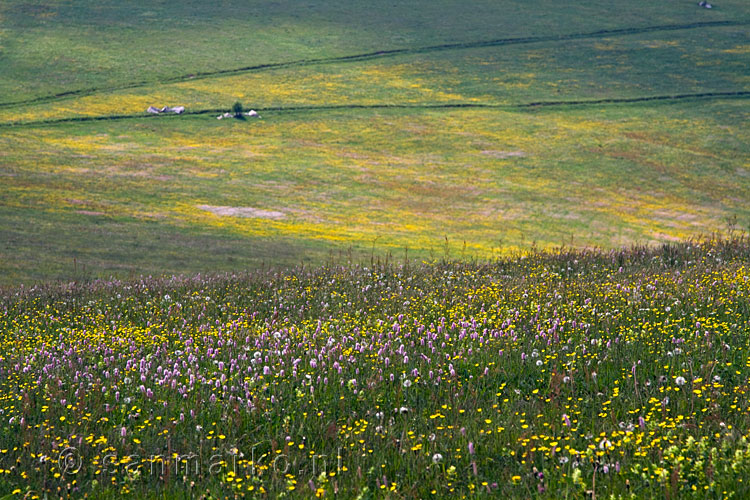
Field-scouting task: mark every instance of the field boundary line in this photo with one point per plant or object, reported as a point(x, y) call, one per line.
point(380, 54)
point(425, 106)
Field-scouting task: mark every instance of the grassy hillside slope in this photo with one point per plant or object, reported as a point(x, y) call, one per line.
point(60, 46)
point(620, 374)
point(384, 126)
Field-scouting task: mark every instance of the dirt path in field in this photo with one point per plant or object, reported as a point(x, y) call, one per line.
point(248, 212)
point(379, 55)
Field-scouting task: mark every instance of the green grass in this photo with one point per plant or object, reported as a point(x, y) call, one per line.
point(620, 374)
point(493, 131)
point(388, 178)
point(122, 196)
point(40, 246)
point(661, 63)
point(60, 46)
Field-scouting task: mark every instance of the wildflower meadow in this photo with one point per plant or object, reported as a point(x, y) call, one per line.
point(370, 249)
point(557, 374)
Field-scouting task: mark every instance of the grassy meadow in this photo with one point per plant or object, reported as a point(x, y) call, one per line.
point(485, 250)
point(62, 46)
point(619, 374)
point(386, 131)
point(461, 183)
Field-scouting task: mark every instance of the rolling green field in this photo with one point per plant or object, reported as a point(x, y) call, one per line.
point(495, 249)
point(390, 130)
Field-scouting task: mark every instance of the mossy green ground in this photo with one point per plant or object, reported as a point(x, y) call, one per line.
point(123, 196)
